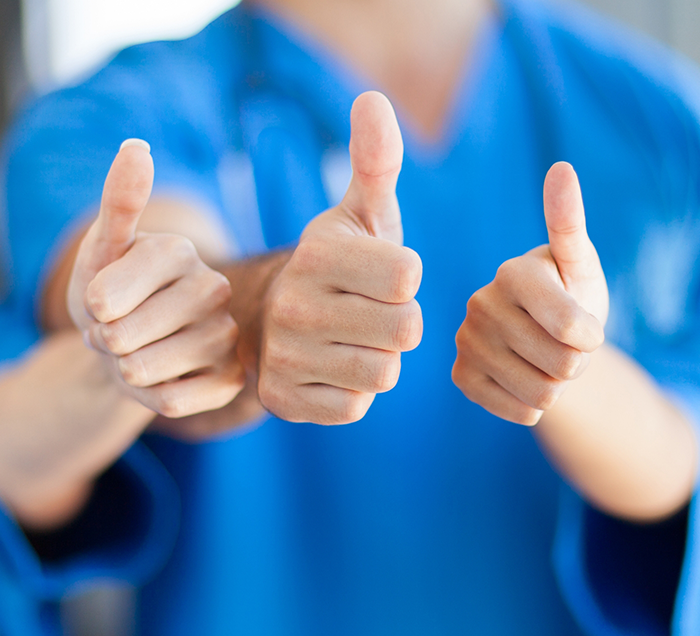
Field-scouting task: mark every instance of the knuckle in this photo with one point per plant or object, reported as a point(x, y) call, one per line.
point(180, 248)
point(409, 327)
point(353, 407)
point(224, 338)
point(230, 331)
point(478, 305)
point(566, 323)
point(546, 396)
point(150, 243)
point(133, 370)
point(527, 417)
point(507, 272)
point(288, 311)
point(172, 406)
point(405, 276)
point(465, 341)
point(473, 351)
point(217, 288)
point(236, 376)
point(98, 303)
point(279, 355)
point(223, 396)
point(387, 374)
point(466, 379)
point(311, 255)
point(115, 337)
point(462, 337)
point(273, 398)
point(265, 394)
point(568, 364)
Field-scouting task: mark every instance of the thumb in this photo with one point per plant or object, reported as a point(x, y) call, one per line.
point(569, 244)
point(124, 197)
point(376, 153)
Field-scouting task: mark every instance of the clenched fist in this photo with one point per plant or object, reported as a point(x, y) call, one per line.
point(341, 312)
point(529, 332)
point(150, 304)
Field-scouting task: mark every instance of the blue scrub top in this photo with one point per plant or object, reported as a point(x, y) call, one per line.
point(429, 516)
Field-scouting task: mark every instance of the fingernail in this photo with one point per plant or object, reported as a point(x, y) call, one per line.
point(135, 142)
point(86, 339)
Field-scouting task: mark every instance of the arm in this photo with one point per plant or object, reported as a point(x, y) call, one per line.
point(66, 413)
point(531, 347)
point(53, 447)
point(321, 328)
point(615, 435)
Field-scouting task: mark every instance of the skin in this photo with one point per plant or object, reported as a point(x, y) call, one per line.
point(335, 317)
point(167, 347)
point(610, 431)
point(342, 310)
point(321, 328)
point(81, 422)
point(531, 348)
point(136, 297)
point(151, 305)
point(416, 52)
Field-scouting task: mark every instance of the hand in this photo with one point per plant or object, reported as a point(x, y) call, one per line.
point(341, 311)
point(531, 330)
point(149, 303)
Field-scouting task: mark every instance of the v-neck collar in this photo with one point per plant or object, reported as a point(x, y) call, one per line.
point(303, 68)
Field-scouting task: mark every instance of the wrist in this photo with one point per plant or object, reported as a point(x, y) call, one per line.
point(251, 281)
point(49, 508)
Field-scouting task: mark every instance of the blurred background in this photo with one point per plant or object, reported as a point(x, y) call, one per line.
point(46, 43)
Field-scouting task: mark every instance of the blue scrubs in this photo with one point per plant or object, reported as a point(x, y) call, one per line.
point(429, 516)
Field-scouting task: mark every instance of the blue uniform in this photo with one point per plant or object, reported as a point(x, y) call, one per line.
point(429, 516)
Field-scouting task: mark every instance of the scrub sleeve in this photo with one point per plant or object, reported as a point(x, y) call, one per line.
point(622, 578)
point(126, 532)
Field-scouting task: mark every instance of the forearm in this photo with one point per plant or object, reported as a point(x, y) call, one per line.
point(250, 281)
point(64, 422)
point(620, 442)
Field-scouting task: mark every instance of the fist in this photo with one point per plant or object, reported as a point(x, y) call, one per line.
point(341, 312)
point(530, 331)
point(158, 314)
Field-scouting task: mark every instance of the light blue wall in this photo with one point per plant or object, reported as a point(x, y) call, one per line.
point(676, 22)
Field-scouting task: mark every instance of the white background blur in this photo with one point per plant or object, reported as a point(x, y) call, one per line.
point(64, 39)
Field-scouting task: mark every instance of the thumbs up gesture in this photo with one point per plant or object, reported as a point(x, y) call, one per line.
point(530, 331)
point(341, 312)
point(150, 305)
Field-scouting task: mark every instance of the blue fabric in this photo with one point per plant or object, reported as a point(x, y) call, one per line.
point(150, 515)
point(145, 518)
point(429, 516)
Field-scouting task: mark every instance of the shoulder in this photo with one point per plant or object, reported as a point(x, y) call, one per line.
point(177, 94)
point(173, 79)
point(209, 58)
point(633, 133)
point(627, 68)
point(629, 106)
